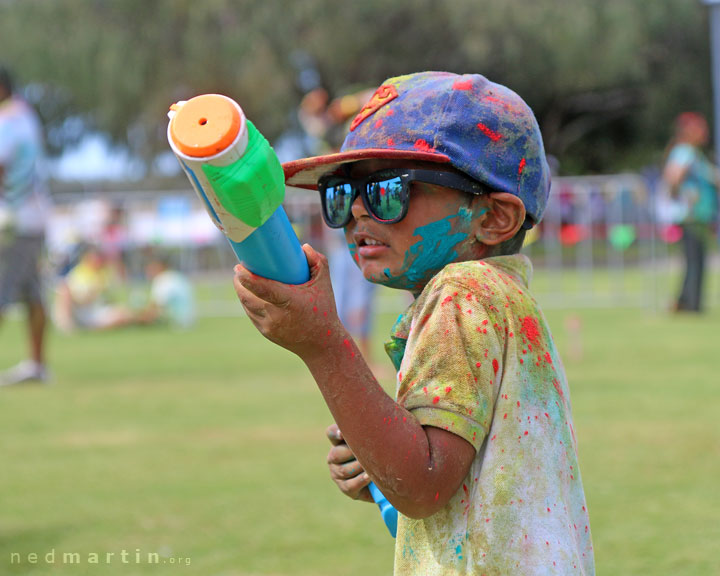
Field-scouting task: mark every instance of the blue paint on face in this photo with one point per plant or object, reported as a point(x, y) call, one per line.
point(431, 254)
point(353, 252)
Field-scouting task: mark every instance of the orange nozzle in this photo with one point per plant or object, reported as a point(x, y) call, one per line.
point(205, 125)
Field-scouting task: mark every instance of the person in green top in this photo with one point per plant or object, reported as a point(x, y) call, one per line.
point(693, 180)
point(435, 186)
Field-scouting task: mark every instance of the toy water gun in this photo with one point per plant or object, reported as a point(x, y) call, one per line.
point(239, 179)
point(237, 175)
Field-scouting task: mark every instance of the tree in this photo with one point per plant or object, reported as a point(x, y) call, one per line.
point(604, 78)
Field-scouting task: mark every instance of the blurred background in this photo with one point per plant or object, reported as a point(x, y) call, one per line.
point(606, 81)
point(169, 438)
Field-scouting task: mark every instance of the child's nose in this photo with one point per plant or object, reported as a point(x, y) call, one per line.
point(358, 208)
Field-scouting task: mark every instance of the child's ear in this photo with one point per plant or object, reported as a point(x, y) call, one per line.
point(502, 216)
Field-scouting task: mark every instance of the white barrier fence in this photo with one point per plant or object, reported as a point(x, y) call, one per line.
point(602, 241)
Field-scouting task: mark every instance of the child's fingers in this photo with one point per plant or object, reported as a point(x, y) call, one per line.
point(365, 495)
point(268, 290)
point(346, 471)
point(314, 258)
point(340, 454)
point(354, 486)
point(334, 435)
point(254, 306)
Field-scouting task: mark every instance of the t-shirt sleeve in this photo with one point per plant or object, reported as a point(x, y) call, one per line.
point(681, 155)
point(453, 361)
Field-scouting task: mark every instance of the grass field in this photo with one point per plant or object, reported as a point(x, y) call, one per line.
point(207, 448)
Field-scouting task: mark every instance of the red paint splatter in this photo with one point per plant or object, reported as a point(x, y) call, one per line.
point(530, 328)
point(548, 358)
point(448, 389)
point(521, 166)
point(462, 85)
point(436, 399)
point(489, 132)
point(437, 496)
point(391, 141)
point(496, 366)
point(314, 309)
point(347, 345)
point(478, 364)
point(423, 146)
point(378, 123)
point(448, 299)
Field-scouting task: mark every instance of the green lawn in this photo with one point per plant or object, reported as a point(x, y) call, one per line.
point(208, 445)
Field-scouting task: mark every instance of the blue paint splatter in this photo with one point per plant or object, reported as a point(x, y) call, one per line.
point(434, 251)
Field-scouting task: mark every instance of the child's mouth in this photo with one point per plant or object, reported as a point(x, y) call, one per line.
point(368, 247)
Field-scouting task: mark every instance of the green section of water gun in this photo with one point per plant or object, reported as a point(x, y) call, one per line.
point(253, 187)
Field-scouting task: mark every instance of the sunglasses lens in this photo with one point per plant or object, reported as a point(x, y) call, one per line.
point(386, 198)
point(338, 197)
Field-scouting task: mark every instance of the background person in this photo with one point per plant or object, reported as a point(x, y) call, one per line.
point(84, 295)
point(172, 299)
point(24, 212)
point(694, 181)
point(354, 295)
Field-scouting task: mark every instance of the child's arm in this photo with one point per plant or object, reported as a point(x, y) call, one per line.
point(418, 469)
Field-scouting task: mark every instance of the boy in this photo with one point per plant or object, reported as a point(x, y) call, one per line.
point(435, 185)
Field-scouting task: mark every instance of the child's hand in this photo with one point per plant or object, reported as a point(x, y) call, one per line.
point(299, 318)
point(345, 470)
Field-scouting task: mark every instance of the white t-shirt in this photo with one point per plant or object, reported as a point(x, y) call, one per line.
point(172, 292)
point(23, 190)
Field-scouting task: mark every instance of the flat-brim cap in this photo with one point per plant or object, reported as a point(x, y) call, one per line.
point(481, 128)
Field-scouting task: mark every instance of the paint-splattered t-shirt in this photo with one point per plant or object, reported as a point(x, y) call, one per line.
point(475, 356)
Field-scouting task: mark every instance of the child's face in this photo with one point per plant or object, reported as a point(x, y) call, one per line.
point(437, 230)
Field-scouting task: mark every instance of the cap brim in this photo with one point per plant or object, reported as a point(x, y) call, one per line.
point(304, 173)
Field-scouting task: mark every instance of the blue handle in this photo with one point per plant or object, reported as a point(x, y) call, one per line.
point(273, 251)
point(389, 514)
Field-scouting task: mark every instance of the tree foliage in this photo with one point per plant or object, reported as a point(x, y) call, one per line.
point(604, 78)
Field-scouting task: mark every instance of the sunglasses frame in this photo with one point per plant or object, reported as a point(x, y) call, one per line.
point(359, 187)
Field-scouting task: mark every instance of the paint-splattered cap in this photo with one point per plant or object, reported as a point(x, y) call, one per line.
point(481, 128)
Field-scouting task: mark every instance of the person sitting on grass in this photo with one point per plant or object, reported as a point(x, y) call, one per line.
point(83, 295)
point(172, 300)
point(435, 185)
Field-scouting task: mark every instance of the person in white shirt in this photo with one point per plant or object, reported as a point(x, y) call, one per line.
point(24, 212)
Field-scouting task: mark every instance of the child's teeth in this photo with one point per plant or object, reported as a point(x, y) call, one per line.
point(370, 242)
